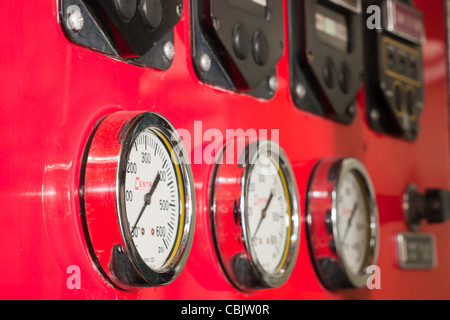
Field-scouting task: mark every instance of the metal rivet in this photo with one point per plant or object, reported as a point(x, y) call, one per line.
point(216, 23)
point(273, 83)
point(180, 10)
point(205, 62)
point(351, 109)
point(168, 50)
point(75, 20)
point(374, 115)
point(300, 90)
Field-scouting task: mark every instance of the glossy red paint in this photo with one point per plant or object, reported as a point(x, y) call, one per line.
point(52, 93)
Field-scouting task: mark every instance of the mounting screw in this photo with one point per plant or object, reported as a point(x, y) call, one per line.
point(216, 23)
point(374, 115)
point(351, 110)
point(75, 20)
point(300, 90)
point(168, 50)
point(205, 62)
point(273, 83)
point(180, 10)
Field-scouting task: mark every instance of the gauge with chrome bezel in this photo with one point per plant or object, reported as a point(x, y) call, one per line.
point(254, 211)
point(342, 222)
point(138, 202)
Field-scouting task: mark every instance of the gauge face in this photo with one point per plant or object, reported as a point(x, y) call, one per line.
point(342, 212)
point(268, 213)
point(137, 200)
point(152, 200)
point(255, 216)
point(353, 222)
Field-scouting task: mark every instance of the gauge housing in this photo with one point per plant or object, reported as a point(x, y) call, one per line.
point(395, 88)
point(322, 215)
point(325, 56)
point(102, 200)
point(228, 197)
point(243, 40)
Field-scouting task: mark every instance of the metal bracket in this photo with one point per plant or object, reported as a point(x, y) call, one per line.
point(95, 26)
point(219, 64)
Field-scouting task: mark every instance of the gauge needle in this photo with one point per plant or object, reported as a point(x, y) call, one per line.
point(350, 220)
point(147, 200)
point(263, 214)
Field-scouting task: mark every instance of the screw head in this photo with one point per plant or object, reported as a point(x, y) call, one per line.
point(75, 19)
point(300, 90)
point(179, 10)
point(168, 50)
point(273, 83)
point(351, 109)
point(374, 115)
point(205, 62)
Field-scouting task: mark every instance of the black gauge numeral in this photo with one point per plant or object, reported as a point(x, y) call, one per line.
point(128, 195)
point(131, 167)
point(160, 231)
point(146, 158)
point(162, 175)
point(164, 205)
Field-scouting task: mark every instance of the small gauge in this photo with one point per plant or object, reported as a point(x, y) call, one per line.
point(342, 219)
point(138, 199)
point(255, 215)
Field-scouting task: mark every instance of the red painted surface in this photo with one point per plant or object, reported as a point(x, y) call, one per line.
point(52, 93)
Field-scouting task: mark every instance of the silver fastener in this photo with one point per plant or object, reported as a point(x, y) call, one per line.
point(374, 115)
point(273, 83)
point(205, 62)
point(75, 19)
point(300, 90)
point(168, 50)
point(179, 10)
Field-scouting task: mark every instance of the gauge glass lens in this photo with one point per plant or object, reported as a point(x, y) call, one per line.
point(268, 213)
point(353, 222)
point(152, 199)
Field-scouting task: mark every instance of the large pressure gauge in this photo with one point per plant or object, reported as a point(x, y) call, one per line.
point(342, 220)
point(255, 215)
point(138, 199)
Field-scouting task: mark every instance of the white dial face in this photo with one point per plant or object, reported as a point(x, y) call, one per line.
point(268, 213)
point(152, 200)
point(353, 222)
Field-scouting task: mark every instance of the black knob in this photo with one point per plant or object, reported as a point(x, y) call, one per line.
point(125, 8)
point(241, 42)
point(151, 13)
point(344, 78)
point(327, 73)
point(437, 206)
point(261, 48)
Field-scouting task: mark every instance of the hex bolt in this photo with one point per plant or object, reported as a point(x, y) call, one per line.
point(75, 20)
point(168, 50)
point(205, 62)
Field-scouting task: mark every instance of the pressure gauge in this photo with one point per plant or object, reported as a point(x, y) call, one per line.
point(137, 199)
point(342, 220)
point(255, 215)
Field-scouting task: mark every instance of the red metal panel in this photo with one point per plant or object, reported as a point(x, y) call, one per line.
point(52, 93)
